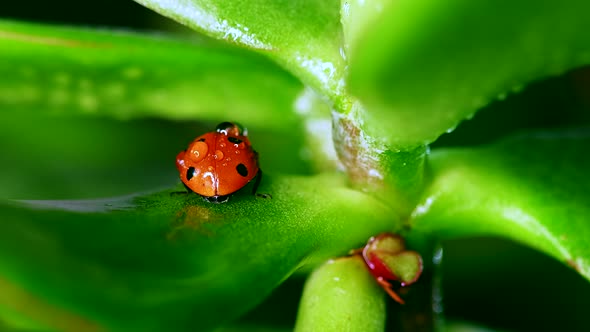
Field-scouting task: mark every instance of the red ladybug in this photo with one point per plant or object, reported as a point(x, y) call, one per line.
point(217, 164)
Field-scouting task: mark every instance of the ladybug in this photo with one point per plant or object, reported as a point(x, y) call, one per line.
point(217, 164)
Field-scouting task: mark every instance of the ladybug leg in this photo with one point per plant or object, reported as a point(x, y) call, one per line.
point(387, 287)
point(257, 183)
point(216, 199)
point(188, 191)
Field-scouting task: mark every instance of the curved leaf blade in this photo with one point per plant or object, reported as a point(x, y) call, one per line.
point(303, 36)
point(169, 261)
point(422, 67)
point(126, 75)
point(76, 157)
point(533, 189)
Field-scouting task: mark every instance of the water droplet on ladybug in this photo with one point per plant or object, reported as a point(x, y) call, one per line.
point(197, 151)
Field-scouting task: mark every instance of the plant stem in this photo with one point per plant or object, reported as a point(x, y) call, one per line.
point(423, 309)
point(342, 295)
point(394, 175)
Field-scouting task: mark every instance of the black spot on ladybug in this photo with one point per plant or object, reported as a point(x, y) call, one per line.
point(201, 140)
point(234, 140)
point(190, 173)
point(242, 170)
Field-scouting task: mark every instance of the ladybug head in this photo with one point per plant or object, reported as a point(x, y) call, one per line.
point(231, 128)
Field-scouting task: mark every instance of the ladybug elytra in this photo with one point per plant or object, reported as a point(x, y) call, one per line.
point(217, 164)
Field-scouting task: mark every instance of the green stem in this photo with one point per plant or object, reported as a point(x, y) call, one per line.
point(423, 309)
point(394, 175)
point(342, 295)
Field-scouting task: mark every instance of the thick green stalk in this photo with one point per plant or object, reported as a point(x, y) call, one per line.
point(393, 174)
point(423, 309)
point(339, 296)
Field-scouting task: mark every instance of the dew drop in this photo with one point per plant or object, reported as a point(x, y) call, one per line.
point(132, 73)
point(59, 97)
point(517, 88)
point(478, 102)
point(114, 90)
point(469, 116)
point(88, 102)
point(85, 84)
point(218, 155)
point(437, 257)
point(62, 78)
point(28, 72)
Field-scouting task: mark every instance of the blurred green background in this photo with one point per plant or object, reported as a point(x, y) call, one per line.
point(495, 282)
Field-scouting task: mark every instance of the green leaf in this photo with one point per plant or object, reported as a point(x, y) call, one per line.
point(532, 188)
point(342, 295)
point(172, 261)
point(13, 320)
point(303, 36)
point(421, 67)
point(73, 157)
point(121, 74)
point(61, 157)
